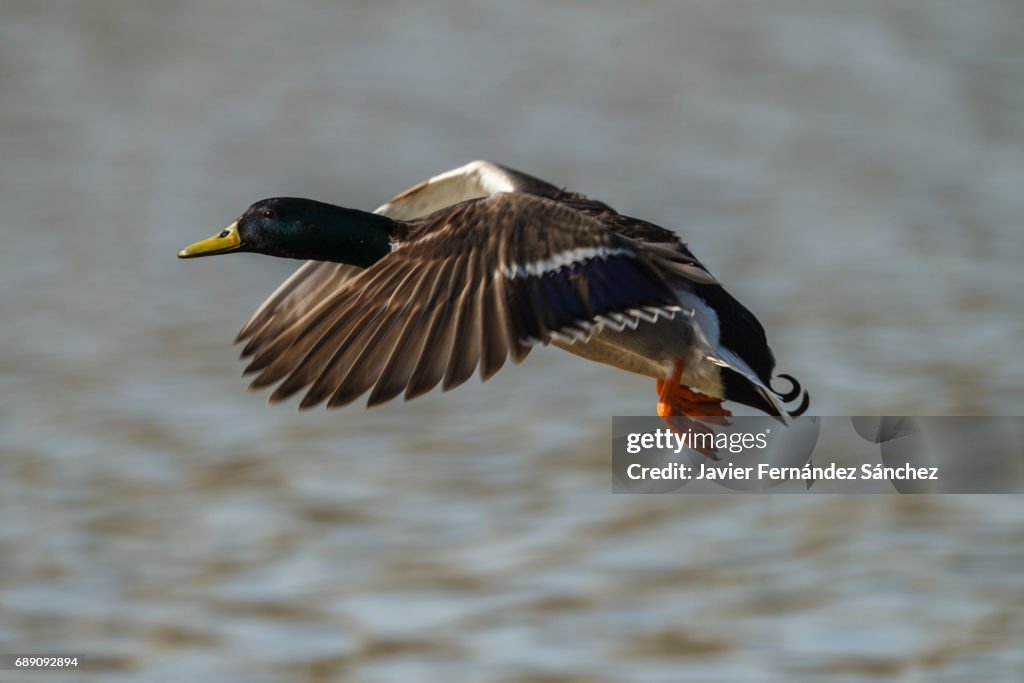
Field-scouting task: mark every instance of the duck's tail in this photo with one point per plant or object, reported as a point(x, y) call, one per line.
point(741, 384)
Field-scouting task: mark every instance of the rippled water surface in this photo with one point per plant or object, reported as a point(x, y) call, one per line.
point(853, 171)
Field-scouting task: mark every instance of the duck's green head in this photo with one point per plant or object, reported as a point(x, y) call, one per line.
point(302, 229)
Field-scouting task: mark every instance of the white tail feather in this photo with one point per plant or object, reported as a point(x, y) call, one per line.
point(727, 359)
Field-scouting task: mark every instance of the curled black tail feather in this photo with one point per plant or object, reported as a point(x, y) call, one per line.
point(795, 392)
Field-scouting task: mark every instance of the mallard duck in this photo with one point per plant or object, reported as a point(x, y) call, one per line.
point(480, 264)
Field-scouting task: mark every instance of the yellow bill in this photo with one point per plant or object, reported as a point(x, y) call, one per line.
point(226, 240)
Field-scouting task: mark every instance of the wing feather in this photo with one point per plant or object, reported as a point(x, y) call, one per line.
point(301, 292)
point(493, 332)
point(430, 367)
point(397, 372)
point(340, 346)
point(402, 310)
point(292, 346)
point(464, 353)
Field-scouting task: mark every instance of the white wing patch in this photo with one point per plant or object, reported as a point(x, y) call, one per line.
point(565, 258)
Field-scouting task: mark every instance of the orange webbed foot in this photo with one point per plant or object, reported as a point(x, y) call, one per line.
point(677, 405)
point(677, 400)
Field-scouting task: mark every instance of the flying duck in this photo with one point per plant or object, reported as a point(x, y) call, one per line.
point(480, 264)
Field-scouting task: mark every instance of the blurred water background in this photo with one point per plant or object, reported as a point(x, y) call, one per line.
point(853, 171)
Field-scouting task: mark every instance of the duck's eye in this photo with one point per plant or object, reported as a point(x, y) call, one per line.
point(269, 213)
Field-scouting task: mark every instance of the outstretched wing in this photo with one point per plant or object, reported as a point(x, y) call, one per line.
point(480, 281)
